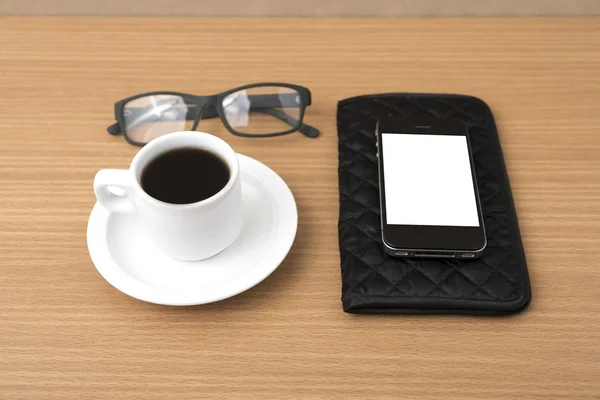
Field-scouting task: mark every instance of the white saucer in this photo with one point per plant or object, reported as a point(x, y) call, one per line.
point(128, 261)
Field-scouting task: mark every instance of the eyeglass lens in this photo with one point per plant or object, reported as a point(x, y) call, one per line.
point(263, 110)
point(149, 117)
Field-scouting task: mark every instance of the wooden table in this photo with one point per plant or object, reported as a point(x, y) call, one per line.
point(65, 333)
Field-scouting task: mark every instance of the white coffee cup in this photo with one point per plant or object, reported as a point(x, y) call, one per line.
point(188, 232)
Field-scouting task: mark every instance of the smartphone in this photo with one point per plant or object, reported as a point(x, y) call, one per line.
point(428, 190)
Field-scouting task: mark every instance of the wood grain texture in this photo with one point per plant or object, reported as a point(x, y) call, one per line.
point(67, 334)
point(304, 8)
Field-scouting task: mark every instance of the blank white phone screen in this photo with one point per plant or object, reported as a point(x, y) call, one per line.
point(428, 180)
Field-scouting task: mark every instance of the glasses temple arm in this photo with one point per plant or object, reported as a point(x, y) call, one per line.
point(306, 129)
point(114, 129)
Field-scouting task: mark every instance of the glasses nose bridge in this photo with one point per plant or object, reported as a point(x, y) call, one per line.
point(206, 101)
point(207, 106)
point(206, 109)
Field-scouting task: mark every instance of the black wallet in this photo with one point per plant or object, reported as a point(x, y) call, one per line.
point(374, 282)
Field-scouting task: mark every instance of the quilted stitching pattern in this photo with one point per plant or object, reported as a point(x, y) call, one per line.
point(498, 282)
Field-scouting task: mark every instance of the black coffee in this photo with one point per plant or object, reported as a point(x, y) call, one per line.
point(184, 176)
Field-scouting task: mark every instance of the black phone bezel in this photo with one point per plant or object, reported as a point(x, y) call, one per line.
point(421, 237)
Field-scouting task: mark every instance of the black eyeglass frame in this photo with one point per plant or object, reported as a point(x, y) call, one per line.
point(212, 106)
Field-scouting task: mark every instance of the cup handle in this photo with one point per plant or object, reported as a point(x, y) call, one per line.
point(114, 189)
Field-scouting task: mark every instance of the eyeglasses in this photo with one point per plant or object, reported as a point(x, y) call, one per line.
point(257, 110)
